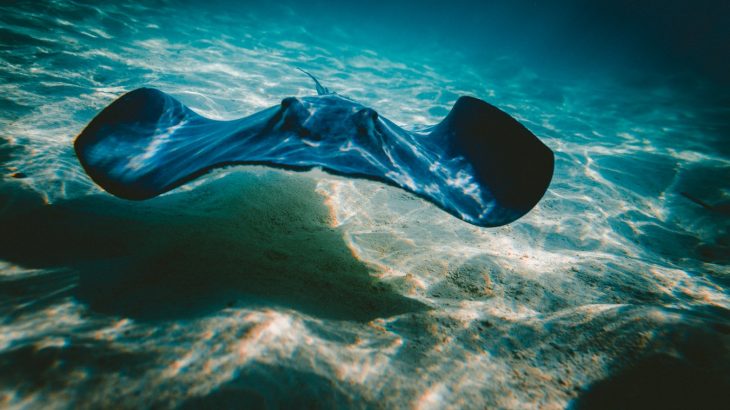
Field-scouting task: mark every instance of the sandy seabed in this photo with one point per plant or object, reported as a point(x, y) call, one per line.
point(256, 287)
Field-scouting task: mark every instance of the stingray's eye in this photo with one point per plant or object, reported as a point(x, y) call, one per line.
point(365, 121)
point(294, 106)
point(288, 101)
point(367, 113)
point(293, 110)
point(365, 118)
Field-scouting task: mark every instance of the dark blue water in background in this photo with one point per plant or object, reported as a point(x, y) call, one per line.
point(265, 288)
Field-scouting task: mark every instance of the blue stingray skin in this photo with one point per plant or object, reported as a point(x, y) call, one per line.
point(478, 164)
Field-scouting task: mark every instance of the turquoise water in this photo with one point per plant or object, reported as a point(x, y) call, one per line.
point(255, 287)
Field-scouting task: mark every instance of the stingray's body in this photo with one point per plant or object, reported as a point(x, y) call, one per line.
point(478, 164)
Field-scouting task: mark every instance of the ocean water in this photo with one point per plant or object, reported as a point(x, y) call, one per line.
point(261, 288)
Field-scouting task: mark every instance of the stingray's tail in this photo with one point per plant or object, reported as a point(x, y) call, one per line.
point(321, 90)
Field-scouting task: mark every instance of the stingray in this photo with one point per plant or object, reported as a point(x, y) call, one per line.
point(478, 164)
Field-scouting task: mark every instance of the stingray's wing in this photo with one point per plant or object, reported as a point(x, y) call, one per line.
point(146, 143)
point(508, 159)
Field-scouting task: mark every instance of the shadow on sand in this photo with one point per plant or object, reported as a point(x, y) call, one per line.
point(254, 238)
point(688, 370)
point(262, 386)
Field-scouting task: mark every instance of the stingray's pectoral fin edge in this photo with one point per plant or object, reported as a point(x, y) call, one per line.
point(509, 159)
point(123, 148)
